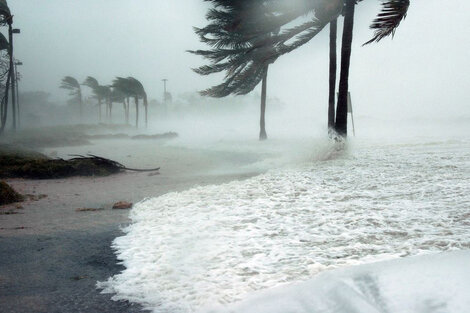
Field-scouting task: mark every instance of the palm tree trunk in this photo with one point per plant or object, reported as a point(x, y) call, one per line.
point(262, 122)
point(146, 110)
point(127, 111)
point(99, 108)
point(333, 68)
point(341, 125)
point(136, 112)
point(111, 111)
point(12, 73)
point(81, 104)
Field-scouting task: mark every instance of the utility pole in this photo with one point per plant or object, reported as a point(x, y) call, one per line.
point(164, 94)
point(18, 63)
point(164, 89)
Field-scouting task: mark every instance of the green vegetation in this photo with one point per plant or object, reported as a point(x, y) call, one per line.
point(8, 195)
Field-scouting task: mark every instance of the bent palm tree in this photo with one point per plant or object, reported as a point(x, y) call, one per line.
point(93, 84)
point(70, 83)
point(242, 47)
point(133, 88)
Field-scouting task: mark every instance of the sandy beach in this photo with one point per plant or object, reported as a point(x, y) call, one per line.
point(52, 255)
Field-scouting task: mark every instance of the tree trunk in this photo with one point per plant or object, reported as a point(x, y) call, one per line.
point(127, 111)
point(333, 68)
point(111, 111)
point(146, 110)
point(136, 112)
point(12, 73)
point(262, 123)
point(99, 108)
point(342, 108)
point(80, 103)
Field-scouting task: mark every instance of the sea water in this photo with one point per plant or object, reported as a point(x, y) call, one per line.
point(365, 202)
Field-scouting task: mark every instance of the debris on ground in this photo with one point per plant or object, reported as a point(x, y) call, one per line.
point(122, 205)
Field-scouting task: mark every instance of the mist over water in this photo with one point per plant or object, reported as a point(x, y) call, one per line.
point(298, 204)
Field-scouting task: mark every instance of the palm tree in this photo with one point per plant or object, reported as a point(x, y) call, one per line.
point(246, 40)
point(332, 75)
point(93, 84)
point(262, 123)
point(121, 85)
point(133, 88)
point(247, 36)
point(6, 19)
point(390, 17)
point(119, 97)
point(70, 83)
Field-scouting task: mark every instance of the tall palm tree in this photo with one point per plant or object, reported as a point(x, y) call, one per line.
point(93, 84)
point(119, 97)
point(242, 48)
point(70, 83)
point(262, 123)
point(133, 88)
point(332, 75)
point(139, 92)
point(247, 36)
point(121, 85)
point(390, 17)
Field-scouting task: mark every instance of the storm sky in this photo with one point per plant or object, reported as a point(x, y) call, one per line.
point(424, 70)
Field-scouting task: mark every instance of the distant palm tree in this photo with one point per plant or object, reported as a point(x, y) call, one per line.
point(118, 96)
point(93, 84)
point(133, 88)
point(122, 86)
point(70, 83)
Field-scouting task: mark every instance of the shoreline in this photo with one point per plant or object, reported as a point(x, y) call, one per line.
point(52, 255)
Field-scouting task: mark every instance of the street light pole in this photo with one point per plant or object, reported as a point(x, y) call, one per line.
point(164, 95)
point(12, 70)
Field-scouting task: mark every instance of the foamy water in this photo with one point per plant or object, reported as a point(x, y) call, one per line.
point(217, 244)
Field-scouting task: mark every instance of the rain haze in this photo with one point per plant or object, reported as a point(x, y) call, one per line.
point(123, 188)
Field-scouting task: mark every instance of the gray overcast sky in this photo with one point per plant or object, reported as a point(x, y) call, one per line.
point(425, 69)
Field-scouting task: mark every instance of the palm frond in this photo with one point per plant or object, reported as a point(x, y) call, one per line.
point(390, 17)
point(4, 9)
point(4, 45)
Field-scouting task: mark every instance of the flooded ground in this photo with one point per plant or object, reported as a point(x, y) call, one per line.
point(373, 201)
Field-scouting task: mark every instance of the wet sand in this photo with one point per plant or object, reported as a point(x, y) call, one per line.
point(51, 255)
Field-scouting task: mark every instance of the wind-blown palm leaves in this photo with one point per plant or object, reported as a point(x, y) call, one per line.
point(98, 91)
point(133, 88)
point(393, 12)
point(71, 84)
point(246, 36)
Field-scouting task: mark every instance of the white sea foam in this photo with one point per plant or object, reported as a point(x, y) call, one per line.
point(217, 244)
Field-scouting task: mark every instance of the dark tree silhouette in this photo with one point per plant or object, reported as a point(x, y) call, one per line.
point(246, 36)
point(133, 88)
point(71, 84)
